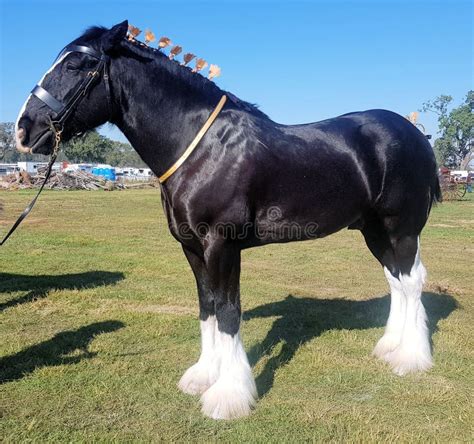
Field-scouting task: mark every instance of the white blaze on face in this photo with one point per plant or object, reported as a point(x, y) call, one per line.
point(19, 145)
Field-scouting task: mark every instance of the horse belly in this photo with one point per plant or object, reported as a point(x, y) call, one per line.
point(307, 209)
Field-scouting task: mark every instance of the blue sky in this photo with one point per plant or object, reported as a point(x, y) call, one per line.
point(301, 61)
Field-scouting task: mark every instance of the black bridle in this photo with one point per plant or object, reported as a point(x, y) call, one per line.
point(63, 111)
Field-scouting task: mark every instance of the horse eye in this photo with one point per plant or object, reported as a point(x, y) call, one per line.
point(71, 67)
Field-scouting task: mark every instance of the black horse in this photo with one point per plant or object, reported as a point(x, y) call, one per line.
point(249, 182)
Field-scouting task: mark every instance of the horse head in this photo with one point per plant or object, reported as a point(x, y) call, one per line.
point(76, 84)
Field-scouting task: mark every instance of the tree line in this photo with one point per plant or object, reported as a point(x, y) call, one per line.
point(454, 146)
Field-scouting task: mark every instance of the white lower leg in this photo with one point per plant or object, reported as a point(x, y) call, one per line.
point(200, 376)
point(414, 351)
point(234, 393)
point(396, 319)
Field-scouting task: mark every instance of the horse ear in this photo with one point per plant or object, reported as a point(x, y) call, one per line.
point(115, 35)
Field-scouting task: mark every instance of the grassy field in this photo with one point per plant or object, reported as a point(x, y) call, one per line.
point(99, 321)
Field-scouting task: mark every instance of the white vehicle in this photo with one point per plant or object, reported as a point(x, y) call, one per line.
point(8, 168)
point(130, 173)
point(33, 167)
point(78, 167)
point(459, 175)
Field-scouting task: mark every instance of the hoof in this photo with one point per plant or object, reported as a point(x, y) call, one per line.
point(404, 360)
point(229, 399)
point(196, 380)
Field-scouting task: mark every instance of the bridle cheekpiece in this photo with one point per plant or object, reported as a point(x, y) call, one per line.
point(63, 110)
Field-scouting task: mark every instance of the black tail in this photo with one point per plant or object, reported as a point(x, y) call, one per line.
point(436, 195)
point(435, 189)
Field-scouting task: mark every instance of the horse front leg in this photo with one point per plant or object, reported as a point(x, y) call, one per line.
point(200, 376)
point(234, 393)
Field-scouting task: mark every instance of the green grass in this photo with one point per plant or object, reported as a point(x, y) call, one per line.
point(99, 321)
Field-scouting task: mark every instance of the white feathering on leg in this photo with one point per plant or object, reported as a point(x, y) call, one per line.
point(234, 393)
point(414, 351)
point(396, 319)
point(200, 376)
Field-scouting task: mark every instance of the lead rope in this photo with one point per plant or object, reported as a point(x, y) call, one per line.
point(57, 140)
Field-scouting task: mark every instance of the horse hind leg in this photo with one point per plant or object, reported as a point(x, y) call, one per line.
point(405, 343)
point(414, 350)
point(378, 241)
point(396, 318)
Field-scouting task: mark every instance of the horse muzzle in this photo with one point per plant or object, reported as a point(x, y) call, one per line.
point(40, 146)
point(19, 138)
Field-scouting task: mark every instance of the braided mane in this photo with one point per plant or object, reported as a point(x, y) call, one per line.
point(175, 67)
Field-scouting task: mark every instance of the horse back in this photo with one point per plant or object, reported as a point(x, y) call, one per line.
point(339, 171)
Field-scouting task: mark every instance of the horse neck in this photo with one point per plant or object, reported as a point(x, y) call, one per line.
point(159, 112)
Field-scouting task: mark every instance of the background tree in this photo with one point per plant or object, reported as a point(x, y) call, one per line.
point(88, 148)
point(454, 147)
point(123, 155)
point(7, 140)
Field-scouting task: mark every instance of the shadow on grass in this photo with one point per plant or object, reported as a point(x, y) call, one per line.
point(39, 286)
point(55, 350)
point(302, 319)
